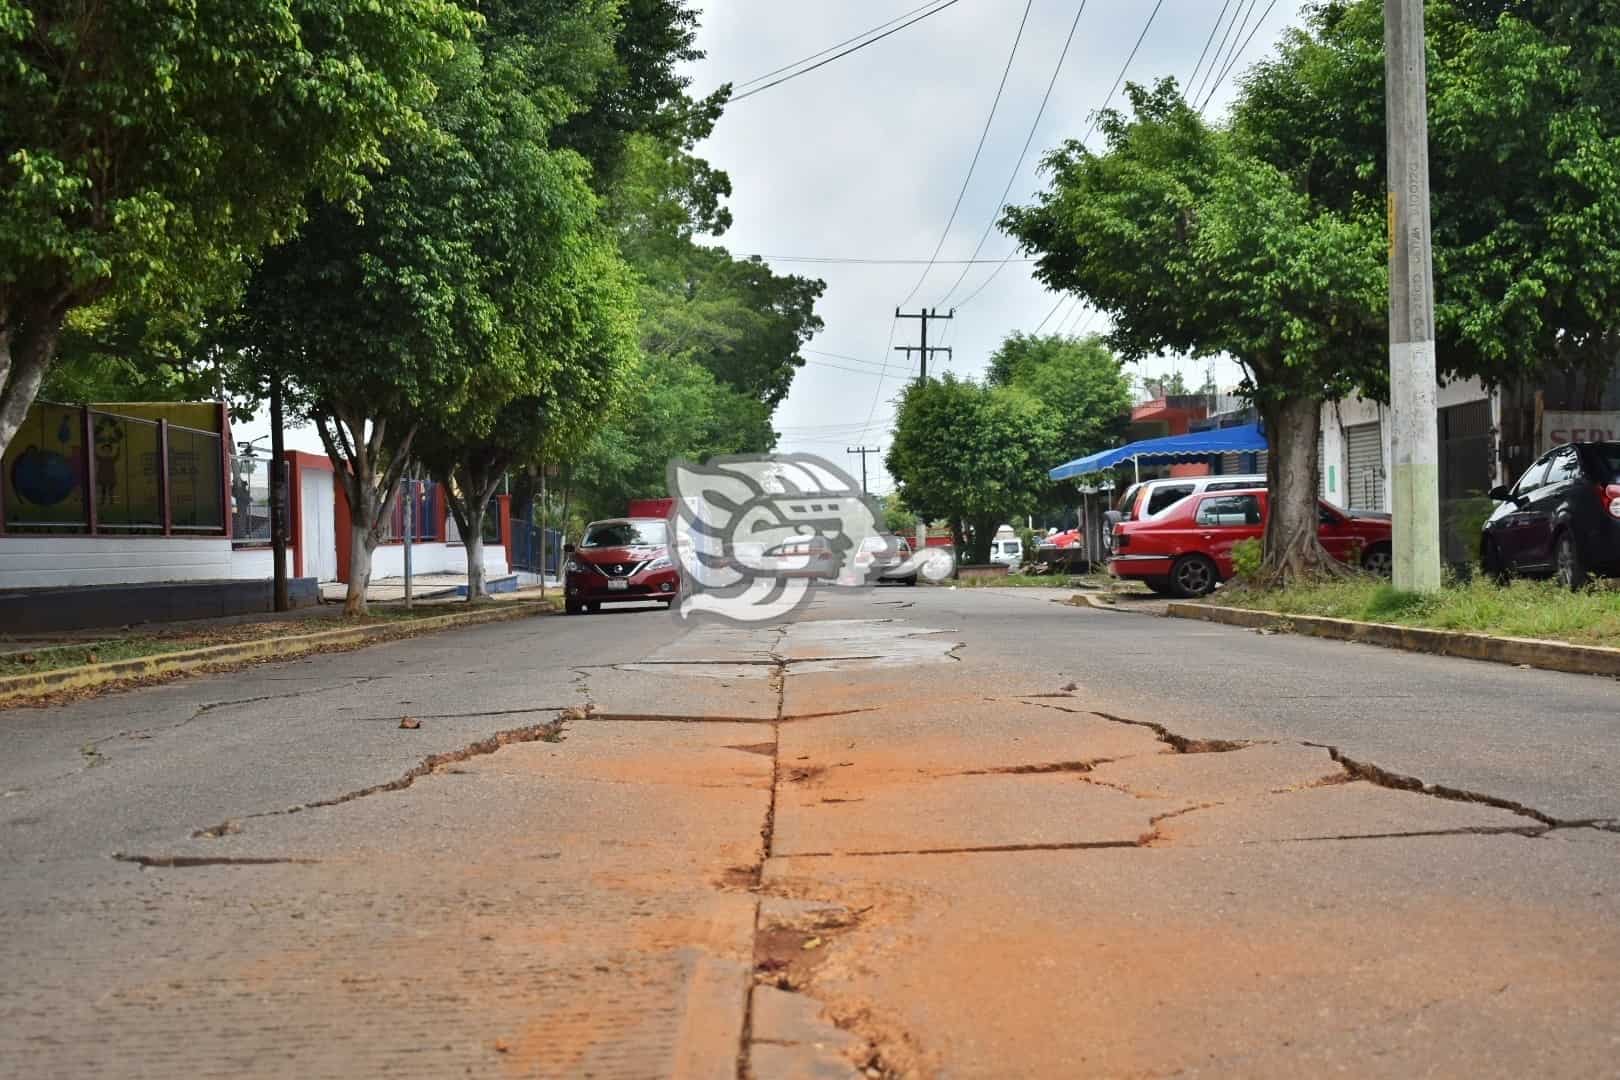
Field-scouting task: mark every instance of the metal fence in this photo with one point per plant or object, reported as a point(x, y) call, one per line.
point(526, 548)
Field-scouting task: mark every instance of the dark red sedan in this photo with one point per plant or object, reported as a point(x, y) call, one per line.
point(1187, 550)
point(624, 560)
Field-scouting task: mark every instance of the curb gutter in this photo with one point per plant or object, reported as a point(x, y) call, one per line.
point(15, 689)
point(1525, 652)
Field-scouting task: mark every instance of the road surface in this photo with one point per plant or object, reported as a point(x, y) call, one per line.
point(916, 832)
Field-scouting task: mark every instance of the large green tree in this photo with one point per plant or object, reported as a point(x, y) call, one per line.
point(147, 150)
point(467, 275)
point(1078, 385)
point(971, 455)
point(1524, 107)
point(1193, 246)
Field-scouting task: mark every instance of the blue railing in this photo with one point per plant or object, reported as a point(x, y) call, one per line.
point(526, 548)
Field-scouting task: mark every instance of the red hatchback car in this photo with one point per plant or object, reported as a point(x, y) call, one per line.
point(1187, 550)
point(620, 561)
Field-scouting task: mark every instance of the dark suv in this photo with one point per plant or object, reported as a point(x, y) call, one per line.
point(1562, 519)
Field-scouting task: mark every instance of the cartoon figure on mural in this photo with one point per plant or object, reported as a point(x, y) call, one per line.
point(109, 448)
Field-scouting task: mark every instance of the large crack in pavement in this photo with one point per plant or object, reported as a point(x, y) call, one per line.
point(548, 731)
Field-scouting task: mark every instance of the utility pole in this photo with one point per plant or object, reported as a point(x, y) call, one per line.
point(1414, 432)
point(925, 316)
point(863, 451)
point(278, 499)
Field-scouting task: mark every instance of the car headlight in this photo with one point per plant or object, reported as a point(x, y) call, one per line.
point(660, 563)
point(575, 567)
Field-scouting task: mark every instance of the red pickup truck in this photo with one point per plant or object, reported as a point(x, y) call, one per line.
point(1187, 550)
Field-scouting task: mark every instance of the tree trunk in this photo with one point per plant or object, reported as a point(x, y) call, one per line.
point(361, 544)
point(27, 346)
point(1293, 550)
point(474, 539)
point(984, 531)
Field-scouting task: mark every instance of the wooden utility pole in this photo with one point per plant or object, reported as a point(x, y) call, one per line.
point(925, 316)
point(863, 451)
point(1414, 434)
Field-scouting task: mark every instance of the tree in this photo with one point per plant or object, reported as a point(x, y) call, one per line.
point(971, 455)
point(143, 156)
point(581, 346)
point(1195, 247)
point(1077, 384)
point(452, 288)
point(1524, 107)
point(1172, 385)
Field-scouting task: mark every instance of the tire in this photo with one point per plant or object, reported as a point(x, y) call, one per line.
point(593, 608)
point(1160, 586)
point(1492, 565)
point(1379, 560)
point(912, 580)
point(1193, 576)
point(1570, 569)
point(572, 607)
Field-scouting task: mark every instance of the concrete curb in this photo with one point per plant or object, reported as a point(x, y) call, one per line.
point(1081, 599)
point(1525, 652)
point(15, 689)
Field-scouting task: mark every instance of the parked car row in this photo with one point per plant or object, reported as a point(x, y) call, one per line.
point(1184, 547)
point(1561, 519)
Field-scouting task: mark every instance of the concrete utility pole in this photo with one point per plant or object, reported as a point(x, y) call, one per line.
point(863, 451)
point(925, 316)
point(1414, 430)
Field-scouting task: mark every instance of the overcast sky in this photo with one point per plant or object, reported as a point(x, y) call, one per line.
point(864, 159)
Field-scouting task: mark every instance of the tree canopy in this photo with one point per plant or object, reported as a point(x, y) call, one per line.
point(146, 157)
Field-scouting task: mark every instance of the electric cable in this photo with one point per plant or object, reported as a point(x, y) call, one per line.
point(1207, 43)
point(1022, 154)
point(839, 56)
point(1154, 14)
point(1236, 56)
point(972, 165)
point(831, 48)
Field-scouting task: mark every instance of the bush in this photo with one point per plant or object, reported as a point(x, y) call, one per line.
point(1247, 556)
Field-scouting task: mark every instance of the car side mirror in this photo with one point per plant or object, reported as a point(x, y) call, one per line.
point(1501, 494)
point(568, 549)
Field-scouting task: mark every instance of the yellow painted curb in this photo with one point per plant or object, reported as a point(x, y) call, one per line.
point(1526, 652)
point(18, 688)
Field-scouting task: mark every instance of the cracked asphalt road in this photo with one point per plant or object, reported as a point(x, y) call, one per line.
point(912, 833)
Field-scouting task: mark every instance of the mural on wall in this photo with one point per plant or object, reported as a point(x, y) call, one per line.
point(46, 465)
point(44, 468)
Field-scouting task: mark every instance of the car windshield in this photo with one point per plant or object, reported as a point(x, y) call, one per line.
point(1605, 458)
point(625, 534)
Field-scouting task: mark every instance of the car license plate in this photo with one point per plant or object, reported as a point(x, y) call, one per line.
point(618, 585)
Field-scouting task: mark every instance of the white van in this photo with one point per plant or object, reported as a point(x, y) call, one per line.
point(1007, 549)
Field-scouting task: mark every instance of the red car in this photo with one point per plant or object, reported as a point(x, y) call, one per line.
point(619, 561)
point(1187, 550)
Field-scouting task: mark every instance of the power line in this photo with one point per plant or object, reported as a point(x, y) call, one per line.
point(839, 56)
point(984, 134)
point(874, 262)
point(1022, 154)
point(1154, 14)
point(1061, 301)
point(839, 45)
point(1215, 62)
point(1237, 55)
point(1207, 43)
point(877, 391)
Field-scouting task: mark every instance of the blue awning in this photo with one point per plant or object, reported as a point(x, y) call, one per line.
point(1196, 446)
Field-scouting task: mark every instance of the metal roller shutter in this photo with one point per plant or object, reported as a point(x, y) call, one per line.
point(1365, 473)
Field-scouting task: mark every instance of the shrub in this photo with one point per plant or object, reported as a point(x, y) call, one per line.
point(1246, 558)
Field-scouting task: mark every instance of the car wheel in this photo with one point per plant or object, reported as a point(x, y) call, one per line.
point(1160, 586)
point(1571, 569)
point(1378, 560)
point(1193, 576)
point(573, 607)
point(1493, 564)
point(593, 608)
point(912, 580)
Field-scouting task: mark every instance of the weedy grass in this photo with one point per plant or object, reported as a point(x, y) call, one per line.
point(1530, 609)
